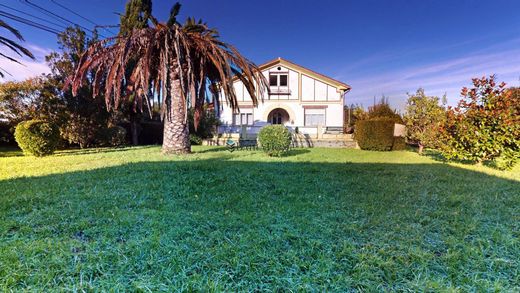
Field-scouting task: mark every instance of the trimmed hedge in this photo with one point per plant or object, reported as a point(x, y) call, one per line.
point(399, 144)
point(37, 137)
point(375, 134)
point(275, 140)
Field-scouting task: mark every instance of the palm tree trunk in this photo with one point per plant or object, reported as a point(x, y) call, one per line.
point(176, 138)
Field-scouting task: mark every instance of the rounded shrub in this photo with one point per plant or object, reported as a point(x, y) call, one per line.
point(275, 140)
point(37, 137)
point(112, 136)
point(375, 134)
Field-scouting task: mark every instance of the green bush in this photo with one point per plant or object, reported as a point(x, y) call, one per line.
point(37, 137)
point(275, 140)
point(375, 134)
point(399, 144)
point(112, 136)
point(195, 140)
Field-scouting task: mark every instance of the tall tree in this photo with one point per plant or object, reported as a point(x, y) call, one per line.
point(84, 111)
point(12, 46)
point(136, 16)
point(137, 13)
point(182, 63)
point(424, 116)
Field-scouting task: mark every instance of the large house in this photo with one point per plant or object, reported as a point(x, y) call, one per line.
point(298, 98)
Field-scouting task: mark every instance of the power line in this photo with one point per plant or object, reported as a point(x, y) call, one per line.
point(34, 16)
point(52, 14)
point(1, 69)
point(29, 22)
point(82, 17)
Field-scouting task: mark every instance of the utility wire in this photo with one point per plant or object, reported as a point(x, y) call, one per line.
point(29, 22)
point(52, 14)
point(34, 16)
point(81, 16)
point(1, 69)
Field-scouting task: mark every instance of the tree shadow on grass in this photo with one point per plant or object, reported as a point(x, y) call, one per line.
point(212, 150)
point(100, 150)
point(8, 151)
point(239, 226)
point(296, 152)
point(438, 156)
point(434, 155)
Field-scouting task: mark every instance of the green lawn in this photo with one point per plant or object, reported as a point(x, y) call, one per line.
point(317, 220)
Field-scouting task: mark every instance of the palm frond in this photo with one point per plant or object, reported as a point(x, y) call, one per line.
point(12, 45)
point(164, 54)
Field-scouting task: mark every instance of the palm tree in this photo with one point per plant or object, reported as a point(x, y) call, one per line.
point(183, 64)
point(12, 45)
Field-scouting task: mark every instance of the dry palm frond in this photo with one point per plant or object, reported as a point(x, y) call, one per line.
point(12, 45)
point(202, 63)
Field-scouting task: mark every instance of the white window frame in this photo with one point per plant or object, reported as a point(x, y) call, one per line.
point(239, 118)
point(314, 113)
point(279, 90)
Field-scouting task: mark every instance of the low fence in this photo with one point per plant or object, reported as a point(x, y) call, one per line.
point(251, 131)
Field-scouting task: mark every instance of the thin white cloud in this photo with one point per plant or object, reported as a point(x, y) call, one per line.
point(447, 76)
point(28, 68)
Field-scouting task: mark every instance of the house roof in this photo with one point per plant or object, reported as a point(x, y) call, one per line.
point(309, 72)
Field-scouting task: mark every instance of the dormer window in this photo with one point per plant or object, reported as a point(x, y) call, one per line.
point(279, 84)
point(278, 79)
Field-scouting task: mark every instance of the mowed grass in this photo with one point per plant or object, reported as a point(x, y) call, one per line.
point(317, 220)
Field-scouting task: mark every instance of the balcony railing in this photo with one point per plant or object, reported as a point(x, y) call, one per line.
point(280, 91)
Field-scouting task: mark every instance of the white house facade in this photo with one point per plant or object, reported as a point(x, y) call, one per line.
point(298, 98)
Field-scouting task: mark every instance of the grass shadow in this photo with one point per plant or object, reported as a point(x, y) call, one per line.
point(86, 151)
point(437, 156)
point(10, 151)
point(296, 152)
point(434, 155)
point(212, 150)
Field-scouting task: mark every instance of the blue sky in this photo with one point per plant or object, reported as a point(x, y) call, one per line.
point(378, 47)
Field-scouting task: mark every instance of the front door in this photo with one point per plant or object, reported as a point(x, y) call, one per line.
point(276, 118)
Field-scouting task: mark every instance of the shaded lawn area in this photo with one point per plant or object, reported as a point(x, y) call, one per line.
point(319, 219)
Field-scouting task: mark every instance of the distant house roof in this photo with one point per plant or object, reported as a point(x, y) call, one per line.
point(309, 72)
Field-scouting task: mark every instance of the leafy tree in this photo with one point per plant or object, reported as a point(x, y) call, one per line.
point(136, 16)
point(34, 98)
point(182, 63)
point(485, 125)
point(424, 116)
point(207, 123)
point(84, 111)
point(12, 46)
point(352, 114)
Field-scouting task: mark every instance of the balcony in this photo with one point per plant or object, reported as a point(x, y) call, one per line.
point(279, 91)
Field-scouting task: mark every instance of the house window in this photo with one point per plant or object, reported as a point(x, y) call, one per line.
point(273, 80)
point(278, 80)
point(283, 79)
point(243, 119)
point(314, 117)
